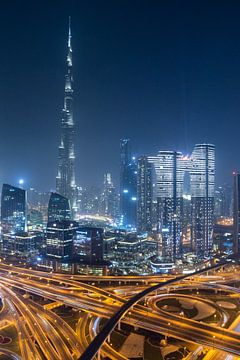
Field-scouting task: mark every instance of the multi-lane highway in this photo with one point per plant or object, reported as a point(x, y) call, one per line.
point(42, 333)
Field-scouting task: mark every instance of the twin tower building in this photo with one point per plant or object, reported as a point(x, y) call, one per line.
point(173, 195)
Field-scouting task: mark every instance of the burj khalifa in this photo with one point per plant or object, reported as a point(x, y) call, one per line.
point(65, 179)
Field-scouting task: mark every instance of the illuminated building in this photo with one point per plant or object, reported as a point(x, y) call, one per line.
point(128, 186)
point(58, 208)
point(169, 173)
point(20, 245)
point(65, 180)
point(144, 194)
point(132, 253)
point(13, 209)
point(223, 197)
point(223, 237)
point(109, 198)
point(88, 244)
point(185, 195)
point(236, 212)
point(202, 176)
point(59, 239)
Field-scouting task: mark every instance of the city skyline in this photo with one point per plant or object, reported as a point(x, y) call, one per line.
point(120, 180)
point(185, 104)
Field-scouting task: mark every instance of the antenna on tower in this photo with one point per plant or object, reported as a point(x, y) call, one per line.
point(69, 32)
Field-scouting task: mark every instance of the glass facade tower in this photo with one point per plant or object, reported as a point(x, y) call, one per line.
point(169, 195)
point(58, 208)
point(144, 194)
point(65, 180)
point(202, 179)
point(13, 210)
point(190, 179)
point(128, 186)
point(236, 212)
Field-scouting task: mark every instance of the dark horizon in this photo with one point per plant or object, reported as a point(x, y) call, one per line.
point(164, 75)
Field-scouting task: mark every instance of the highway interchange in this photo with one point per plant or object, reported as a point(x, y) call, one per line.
point(30, 299)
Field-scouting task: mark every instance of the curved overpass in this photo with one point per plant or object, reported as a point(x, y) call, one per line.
point(98, 341)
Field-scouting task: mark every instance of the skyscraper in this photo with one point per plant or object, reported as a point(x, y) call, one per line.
point(169, 197)
point(144, 194)
point(13, 210)
point(58, 208)
point(236, 212)
point(128, 185)
point(109, 198)
point(202, 179)
point(65, 180)
point(88, 244)
point(59, 239)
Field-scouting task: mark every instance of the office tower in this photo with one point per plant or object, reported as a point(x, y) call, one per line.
point(236, 212)
point(144, 194)
point(58, 208)
point(202, 176)
point(128, 186)
point(170, 171)
point(79, 199)
point(223, 198)
point(88, 244)
point(59, 239)
point(109, 198)
point(65, 180)
point(20, 244)
point(13, 210)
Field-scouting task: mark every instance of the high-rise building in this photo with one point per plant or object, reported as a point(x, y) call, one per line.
point(58, 208)
point(236, 212)
point(128, 186)
point(20, 244)
point(202, 178)
point(13, 210)
point(88, 244)
point(223, 199)
point(169, 197)
point(109, 198)
point(65, 180)
point(185, 195)
point(144, 194)
point(59, 239)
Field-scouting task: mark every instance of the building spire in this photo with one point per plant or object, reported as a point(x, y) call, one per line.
point(69, 33)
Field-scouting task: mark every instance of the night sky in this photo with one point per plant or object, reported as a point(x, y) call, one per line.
point(166, 74)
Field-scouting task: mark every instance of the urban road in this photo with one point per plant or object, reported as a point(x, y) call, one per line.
point(44, 334)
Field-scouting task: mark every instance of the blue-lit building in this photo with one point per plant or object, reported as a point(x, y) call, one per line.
point(144, 194)
point(65, 180)
point(13, 210)
point(236, 212)
point(202, 177)
point(59, 239)
point(58, 208)
point(128, 186)
point(88, 244)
